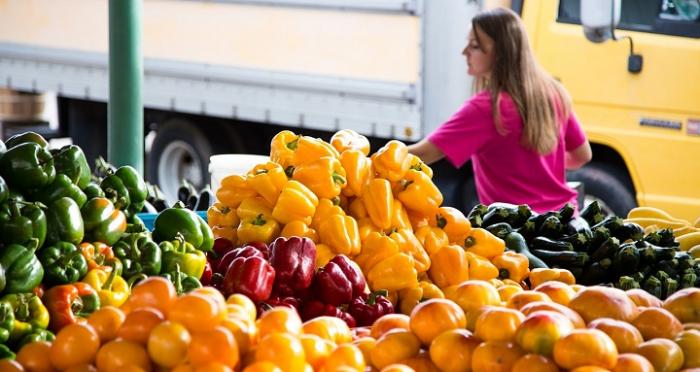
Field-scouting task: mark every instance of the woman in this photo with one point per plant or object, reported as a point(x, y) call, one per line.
point(521, 149)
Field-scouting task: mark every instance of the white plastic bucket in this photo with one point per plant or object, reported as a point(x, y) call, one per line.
point(224, 165)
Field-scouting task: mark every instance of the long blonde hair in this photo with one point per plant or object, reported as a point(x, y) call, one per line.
point(541, 101)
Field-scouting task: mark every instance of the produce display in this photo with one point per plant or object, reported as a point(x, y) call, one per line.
point(329, 258)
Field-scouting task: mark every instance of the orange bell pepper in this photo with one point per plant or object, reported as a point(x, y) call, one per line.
point(220, 214)
point(481, 242)
point(449, 266)
point(417, 164)
point(455, 224)
point(408, 244)
point(419, 193)
point(295, 203)
point(227, 232)
point(379, 202)
point(511, 265)
point(267, 179)
point(282, 148)
point(481, 268)
point(417, 219)
point(411, 297)
point(233, 190)
point(432, 238)
point(391, 161)
point(324, 176)
point(538, 276)
point(349, 140)
point(358, 168)
point(325, 209)
point(366, 227)
point(300, 229)
point(376, 247)
point(393, 273)
point(309, 149)
point(340, 232)
point(399, 217)
point(357, 209)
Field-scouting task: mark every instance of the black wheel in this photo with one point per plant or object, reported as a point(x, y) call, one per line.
point(606, 184)
point(180, 151)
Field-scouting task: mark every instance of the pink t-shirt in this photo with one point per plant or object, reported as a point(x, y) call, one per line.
point(504, 170)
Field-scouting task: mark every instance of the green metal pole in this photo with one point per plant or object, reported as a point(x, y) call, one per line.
point(125, 125)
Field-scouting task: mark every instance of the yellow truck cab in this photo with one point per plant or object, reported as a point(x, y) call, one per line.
point(644, 126)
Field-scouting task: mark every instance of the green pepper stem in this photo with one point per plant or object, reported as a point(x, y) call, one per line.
point(110, 279)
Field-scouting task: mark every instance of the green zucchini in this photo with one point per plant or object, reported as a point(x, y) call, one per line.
point(592, 213)
point(652, 285)
point(527, 230)
point(606, 250)
point(476, 215)
point(566, 213)
point(578, 225)
point(600, 235)
point(578, 240)
point(551, 228)
point(500, 229)
point(626, 283)
point(597, 273)
point(629, 231)
point(516, 243)
point(565, 259)
point(685, 260)
point(688, 279)
point(541, 242)
point(626, 259)
point(652, 254)
point(612, 223)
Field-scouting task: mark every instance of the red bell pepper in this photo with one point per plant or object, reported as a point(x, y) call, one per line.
point(366, 309)
point(262, 247)
point(251, 276)
point(276, 300)
point(314, 308)
point(294, 260)
point(70, 303)
point(221, 247)
point(247, 251)
point(353, 273)
point(332, 286)
point(205, 279)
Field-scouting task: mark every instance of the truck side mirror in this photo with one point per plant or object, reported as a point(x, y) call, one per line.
point(599, 19)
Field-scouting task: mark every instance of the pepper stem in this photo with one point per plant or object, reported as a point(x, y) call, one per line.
point(110, 279)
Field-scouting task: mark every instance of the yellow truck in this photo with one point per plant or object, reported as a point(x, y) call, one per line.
point(224, 76)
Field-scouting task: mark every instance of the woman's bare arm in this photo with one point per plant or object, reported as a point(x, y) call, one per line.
point(426, 151)
point(579, 156)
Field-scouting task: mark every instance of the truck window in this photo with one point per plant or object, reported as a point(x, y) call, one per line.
point(670, 17)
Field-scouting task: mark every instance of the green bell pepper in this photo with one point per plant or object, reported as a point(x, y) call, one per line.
point(135, 225)
point(135, 185)
point(179, 253)
point(29, 313)
point(115, 190)
point(6, 353)
point(22, 221)
point(4, 190)
point(60, 186)
point(183, 283)
point(26, 137)
point(93, 190)
point(36, 335)
point(7, 321)
point(27, 166)
point(180, 220)
point(23, 271)
point(138, 254)
point(103, 222)
point(70, 160)
point(63, 263)
point(65, 223)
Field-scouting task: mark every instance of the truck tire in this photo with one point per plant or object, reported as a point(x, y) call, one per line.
point(180, 151)
point(603, 182)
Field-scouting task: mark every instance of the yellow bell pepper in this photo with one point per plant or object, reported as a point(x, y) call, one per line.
point(449, 266)
point(251, 207)
point(391, 161)
point(295, 203)
point(411, 297)
point(325, 209)
point(538, 276)
point(358, 168)
point(357, 209)
point(399, 217)
point(481, 242)
point(349, 140)
point(324, 176)
point(366, 227)
point(417, 220)
point(417, 164)
point(324, 254)
point(226, 232)
point(310, 149)
point(379, 202)
point(282, 148)
point(221, 215)
point(453, 221)
point(408, 244)
point(432, 238)
point(233, 190)
point(376, 248)
point(299, 228)
point(110, 287)
point(393, 273)
point(257, 229)
point(267, 179)
point(341, 233)
point(481, 268)
point(419, 193)
point(511, 265)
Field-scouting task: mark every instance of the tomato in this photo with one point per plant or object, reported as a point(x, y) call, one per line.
point(197, 311)
point(347, 355)
point(663, 354)
point(263, 366)
point(573, 316)
point(641, 297)
point(585, 347)
point(535, 363)
point(432, 317)
point(82, 368)
point(624, 335)
point(9, 365)
point(498, 324)
point(213, 367)
point(420, 363)
point(244, 332)
point(329, 328)
point(656, 322)
point(283, 350)
point(154, 291)
point(394, 347)
point(316, 349)
point(397, 368)
point(168, 343)
point(214, 295)
point(689, 341)
point(496, 356)
point(540, 330)
point(139, 323)
point(279, 319)
point(35, 357)
point(471, 296)
point(245, 302)
point(213, 345)
point(520, 299)
point(559, 292)
point(452, 350)
point(118, 354)
point(507, 291)
point(365, 344)
point(106, 321)
point(603, 302)
point(75, 344)
point(389, 322)
point(684, 304)
point(632, 363)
